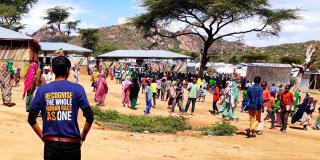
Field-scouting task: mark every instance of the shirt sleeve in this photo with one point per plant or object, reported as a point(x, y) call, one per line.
point(83, 102)
point(261, 99)
point(36, 102)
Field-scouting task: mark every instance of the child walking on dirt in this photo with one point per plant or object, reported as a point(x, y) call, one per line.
point(148, 99)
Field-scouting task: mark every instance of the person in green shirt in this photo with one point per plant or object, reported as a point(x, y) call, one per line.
point(296, 101)
point(244, 100)
point(212, 83)
point(192, 96)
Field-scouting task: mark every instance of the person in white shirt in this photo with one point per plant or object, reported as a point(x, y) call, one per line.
point(47, 75)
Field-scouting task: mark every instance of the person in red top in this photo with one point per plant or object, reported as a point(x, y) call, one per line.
point(144, 83)
point(287, 99)
point(216, 97)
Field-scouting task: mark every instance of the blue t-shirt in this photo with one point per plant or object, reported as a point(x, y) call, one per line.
point(59, 103)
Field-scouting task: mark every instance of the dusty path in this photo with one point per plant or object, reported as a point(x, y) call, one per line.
point(17, 140)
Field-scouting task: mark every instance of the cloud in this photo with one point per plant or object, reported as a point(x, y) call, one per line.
point(122, 20)
point(34, 19)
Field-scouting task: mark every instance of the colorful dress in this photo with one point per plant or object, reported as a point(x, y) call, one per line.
point(228, 105)
point(102, 90)
point(134, 92)
point(6, 85)
point(126, 91)
point(31, 81)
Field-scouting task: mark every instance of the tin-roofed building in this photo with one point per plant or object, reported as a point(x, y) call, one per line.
point(270, 72)
point(78, 55)
point(17, 47)
point(156, 60)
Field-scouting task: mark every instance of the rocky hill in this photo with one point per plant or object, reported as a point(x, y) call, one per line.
point(127, 36)
point(46, 34)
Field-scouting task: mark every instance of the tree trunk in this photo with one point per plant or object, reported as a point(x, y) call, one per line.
point(204, 60)
point(59, 29)
point(297, 81)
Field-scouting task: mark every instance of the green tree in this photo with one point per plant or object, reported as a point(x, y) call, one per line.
point(90, 38)
point(292, 59)
point(72, 25)
point(57, 16)
point(12, 11)
point(233, 60)
point(66, 38)
point(208, 19)
point(255, 57)
point(107, 48)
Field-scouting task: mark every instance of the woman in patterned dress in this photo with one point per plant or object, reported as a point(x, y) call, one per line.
point(6, 85)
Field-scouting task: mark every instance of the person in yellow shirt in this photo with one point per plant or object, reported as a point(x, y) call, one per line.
point(154, 89)
point(94, 78)
point(199, 82)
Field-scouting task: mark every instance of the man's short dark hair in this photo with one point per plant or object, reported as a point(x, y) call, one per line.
point(257, 79)
point(61, 66)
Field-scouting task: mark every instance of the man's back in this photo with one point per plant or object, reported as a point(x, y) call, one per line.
point(59, 103)
point(254, 96)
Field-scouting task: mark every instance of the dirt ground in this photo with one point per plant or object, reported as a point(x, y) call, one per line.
point(18, 141)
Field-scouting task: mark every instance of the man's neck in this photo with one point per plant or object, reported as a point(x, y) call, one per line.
point(61, 78)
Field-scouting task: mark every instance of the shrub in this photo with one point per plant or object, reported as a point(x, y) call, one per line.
point(135, 123)
point(106, 116)
point(233, 60)
point(255, 57)
point(291, 59)
point(220, 129)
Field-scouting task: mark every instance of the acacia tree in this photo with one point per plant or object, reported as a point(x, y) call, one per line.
point(72, 25)
point(211, 20)
point(11, 12)
point(57, 16)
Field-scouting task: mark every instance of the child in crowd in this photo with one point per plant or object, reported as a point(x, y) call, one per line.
point(148, 99)
point(172, 93)
point(17, 76)
point(178, 99)
point(201, 93)
point(154, 90)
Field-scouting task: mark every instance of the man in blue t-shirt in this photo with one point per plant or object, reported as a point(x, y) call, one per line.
point(59, 103)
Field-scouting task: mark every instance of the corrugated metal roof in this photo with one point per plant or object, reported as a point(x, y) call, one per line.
point(12, 35)
point(270, 65)
point(150, 54)
point(53, 46)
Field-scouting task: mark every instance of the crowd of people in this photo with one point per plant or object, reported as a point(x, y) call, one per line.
point(261, 101)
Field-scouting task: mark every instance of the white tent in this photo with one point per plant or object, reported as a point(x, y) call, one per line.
point(227, 70)
point(242, 72)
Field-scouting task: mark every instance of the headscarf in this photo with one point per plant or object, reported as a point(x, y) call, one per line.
point(229, 88)
point(126, 83)
point(10, 67)
point(30, 77)
point(228, 85)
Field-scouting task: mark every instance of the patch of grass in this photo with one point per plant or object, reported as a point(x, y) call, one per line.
point(220, 129)
point(135, 123)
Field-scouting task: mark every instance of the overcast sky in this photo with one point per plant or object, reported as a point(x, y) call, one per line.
point(100, 13)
